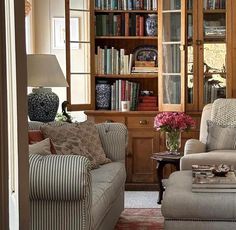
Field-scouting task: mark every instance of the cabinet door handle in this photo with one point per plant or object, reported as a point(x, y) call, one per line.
point(143, 122)
point(199, 42)
point(129, 154)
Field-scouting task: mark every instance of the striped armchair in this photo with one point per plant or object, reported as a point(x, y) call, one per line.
point(65, 194)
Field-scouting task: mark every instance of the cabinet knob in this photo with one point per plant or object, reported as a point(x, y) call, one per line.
point(143, 122)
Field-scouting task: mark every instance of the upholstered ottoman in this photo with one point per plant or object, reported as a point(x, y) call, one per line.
point(185, 210)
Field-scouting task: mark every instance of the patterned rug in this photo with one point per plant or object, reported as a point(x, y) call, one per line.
point(140, 219)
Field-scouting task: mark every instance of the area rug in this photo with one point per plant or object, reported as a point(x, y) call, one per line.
point(140, 219)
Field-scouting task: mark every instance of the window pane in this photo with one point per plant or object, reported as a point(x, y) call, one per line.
point(210, 5)
point(171, 58)
point(80, 58)
point(190, 27)
point(171, 4)
point(80, 89)
point(171, 89)
point(79, 4)
point(79, 28)
point(171, 27)
point(214, 72)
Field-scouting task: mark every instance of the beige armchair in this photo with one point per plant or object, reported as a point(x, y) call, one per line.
point(195, 151)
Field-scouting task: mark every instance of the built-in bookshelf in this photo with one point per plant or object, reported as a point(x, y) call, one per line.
point(120, 30)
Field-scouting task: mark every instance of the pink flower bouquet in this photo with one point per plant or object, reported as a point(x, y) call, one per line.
point(173, 121)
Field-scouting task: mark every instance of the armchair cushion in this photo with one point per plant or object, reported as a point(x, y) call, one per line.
point(214, 157)
point(220, 137)
point(194, 146)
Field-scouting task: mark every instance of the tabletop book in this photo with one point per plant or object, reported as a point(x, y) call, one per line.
point(204, 180)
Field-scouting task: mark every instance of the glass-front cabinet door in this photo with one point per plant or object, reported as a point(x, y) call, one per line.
point(191, 56)
point(208, 69)
point(171, 45)
point(80, 93)
point(213, 39)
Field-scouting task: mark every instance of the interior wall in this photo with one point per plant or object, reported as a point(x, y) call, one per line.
point(4, 192)
point(44, 12)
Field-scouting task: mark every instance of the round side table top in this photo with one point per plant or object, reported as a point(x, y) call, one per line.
point(166, 156)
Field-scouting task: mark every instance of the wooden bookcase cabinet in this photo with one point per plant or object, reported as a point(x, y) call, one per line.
point(143, 139)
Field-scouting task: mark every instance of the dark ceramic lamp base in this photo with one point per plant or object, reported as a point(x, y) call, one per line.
point(42, 105)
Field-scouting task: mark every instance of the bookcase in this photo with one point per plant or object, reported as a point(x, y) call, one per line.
point(180, 52)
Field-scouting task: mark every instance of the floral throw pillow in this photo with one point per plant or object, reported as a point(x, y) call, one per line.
point(66, 142)
point(88, 134)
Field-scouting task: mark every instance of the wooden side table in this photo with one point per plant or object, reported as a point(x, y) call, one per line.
point(164, 158)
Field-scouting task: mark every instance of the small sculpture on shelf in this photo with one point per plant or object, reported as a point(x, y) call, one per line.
point(64, 116)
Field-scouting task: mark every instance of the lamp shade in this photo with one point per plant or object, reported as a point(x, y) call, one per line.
point(44, 71)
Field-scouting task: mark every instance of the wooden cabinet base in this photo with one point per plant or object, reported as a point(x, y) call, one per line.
point(141, 187)
point(143, 141)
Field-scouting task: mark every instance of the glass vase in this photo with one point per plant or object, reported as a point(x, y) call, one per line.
point(173, 141)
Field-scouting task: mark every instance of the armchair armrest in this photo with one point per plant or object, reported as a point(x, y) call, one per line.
point(194, 146)
point(59, 177)
point(114, 138)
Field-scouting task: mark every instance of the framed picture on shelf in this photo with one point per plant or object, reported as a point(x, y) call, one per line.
point(59, 33)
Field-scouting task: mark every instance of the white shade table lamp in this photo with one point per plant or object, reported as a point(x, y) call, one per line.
point(43, 71)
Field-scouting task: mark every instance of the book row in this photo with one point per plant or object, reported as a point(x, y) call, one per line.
point(123, 90)
point(123, 93)
point(122, 25)
point(214, 4)
point(112, 61)
point(126, 4)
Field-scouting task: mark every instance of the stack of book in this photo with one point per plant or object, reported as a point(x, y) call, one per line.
point(123, 90)
point(112, 61)
point(214, 4)
point(144, 67)
point(205, 181)
point(126, 4)
point(147, 103)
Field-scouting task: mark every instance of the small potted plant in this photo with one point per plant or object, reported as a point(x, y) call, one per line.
point(173, 123)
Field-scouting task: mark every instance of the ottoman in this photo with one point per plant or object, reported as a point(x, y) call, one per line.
point(185, 210)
